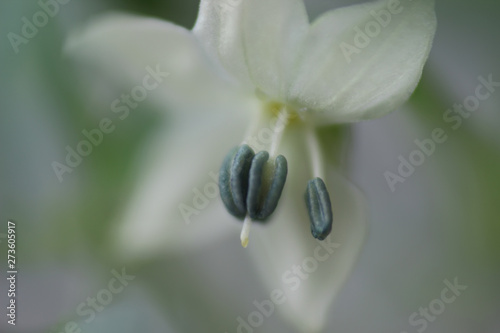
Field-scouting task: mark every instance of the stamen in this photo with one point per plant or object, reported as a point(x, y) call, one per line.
point(239, 176)
point(319, 207)
point(317, 197)
point(278, 130)
point(255, 183)
point(245, 232)
point(249, 184)
point(262, 203)
point(315, 152)
point(225, 185)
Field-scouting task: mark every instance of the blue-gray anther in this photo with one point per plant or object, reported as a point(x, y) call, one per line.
point(225, 185)
point(319, 207)
point(261, 202)
point(239, 176)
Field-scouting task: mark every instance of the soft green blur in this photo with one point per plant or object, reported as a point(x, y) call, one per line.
point(64, 228)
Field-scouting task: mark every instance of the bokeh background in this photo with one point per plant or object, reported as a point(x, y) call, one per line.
point(442, 223)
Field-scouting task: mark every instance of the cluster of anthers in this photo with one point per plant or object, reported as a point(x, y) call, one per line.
point(251, 185)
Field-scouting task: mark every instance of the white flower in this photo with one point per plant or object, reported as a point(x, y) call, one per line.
point(244, 64)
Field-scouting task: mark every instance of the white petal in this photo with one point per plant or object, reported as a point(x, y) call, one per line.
point(286, 241)
point(379, 76)
point(182, 162)
point(256, 40)
point(122, 47)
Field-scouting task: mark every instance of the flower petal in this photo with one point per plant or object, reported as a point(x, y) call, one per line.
point(256, 41)
point(123, 47)
point(176, 205)
point(364, 61)
point(286, 243)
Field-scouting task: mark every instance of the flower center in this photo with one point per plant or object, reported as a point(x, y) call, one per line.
point(267, 128)
point(252, 176)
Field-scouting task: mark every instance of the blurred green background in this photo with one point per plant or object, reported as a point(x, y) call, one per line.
point(442, 223)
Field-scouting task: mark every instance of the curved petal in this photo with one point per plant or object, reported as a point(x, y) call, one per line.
point(287, 256)
point(176, 205)
point(364, 61)
point(126, 49)
point(254, 40)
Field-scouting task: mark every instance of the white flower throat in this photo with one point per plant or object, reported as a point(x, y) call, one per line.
point(252, 176)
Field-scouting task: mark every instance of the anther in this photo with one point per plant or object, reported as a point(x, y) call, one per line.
point(233, 180)
point(248, 188)
point(319, 207)
point(225, 185)
point(239, 176)
point(265, 192)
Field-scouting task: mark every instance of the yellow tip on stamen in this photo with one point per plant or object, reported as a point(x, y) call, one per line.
point(245, 232)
